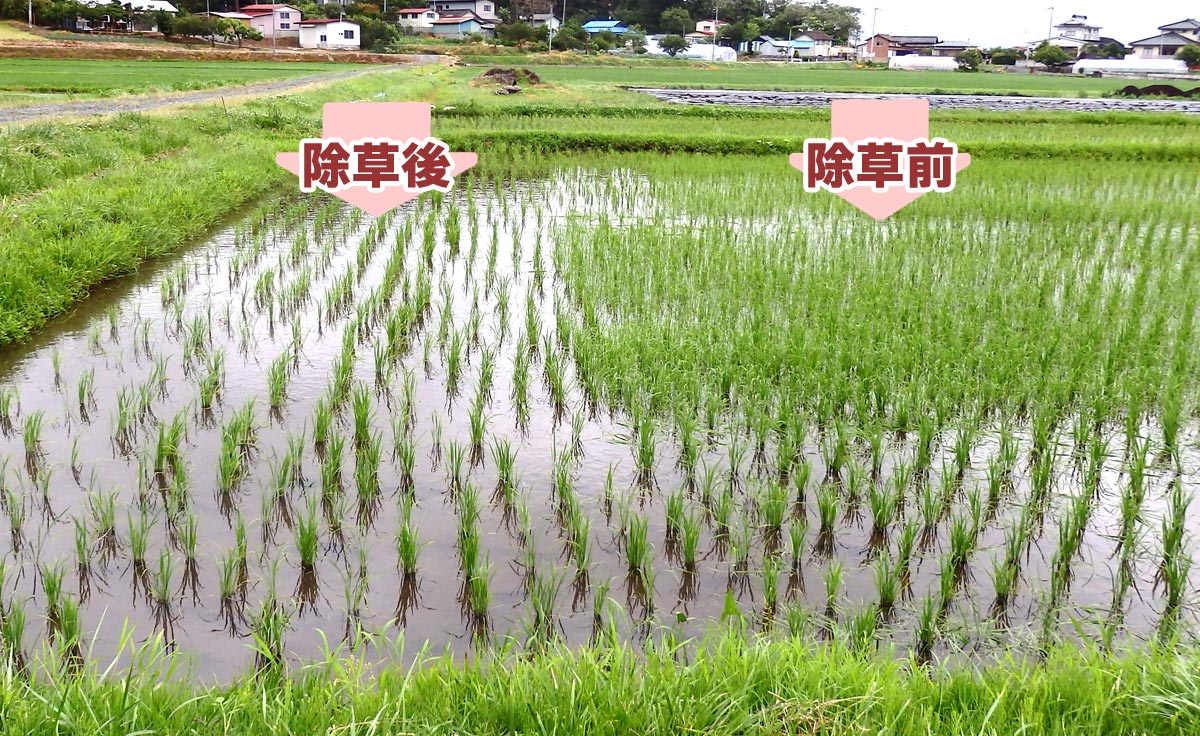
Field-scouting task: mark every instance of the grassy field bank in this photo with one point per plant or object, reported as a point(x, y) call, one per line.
point(99, 78)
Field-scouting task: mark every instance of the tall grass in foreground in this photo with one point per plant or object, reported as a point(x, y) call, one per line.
point(727, 686)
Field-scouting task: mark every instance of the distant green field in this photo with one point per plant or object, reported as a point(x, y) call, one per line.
point(103, 77)
point(806, 77)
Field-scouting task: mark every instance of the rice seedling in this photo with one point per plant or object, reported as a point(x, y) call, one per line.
point(331, 469)
point(363, 415)
point(268, 625)
point(8, 400)
point(926, 629)
point(52, 590)
point(887, 585)
point(32, 435)
point(770, 589)
point(277, 380)
point(12, 636)
point(69, 636)
point(456, 458)
point(827, 507)
point(834, 576)
point(478, 428)
point(103, 509)
point(160, 586)
point(773, 507)
point(637, 546)
point(366, 480)
point(504, 458)
point(83, 557)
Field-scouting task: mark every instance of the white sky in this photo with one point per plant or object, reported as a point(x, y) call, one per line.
point(1008, 22)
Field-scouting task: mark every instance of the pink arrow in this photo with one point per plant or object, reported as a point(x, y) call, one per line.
point(856, 120)
point(395, 120)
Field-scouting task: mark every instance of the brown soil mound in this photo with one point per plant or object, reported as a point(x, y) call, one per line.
point(1158, 90)
point(508, 77)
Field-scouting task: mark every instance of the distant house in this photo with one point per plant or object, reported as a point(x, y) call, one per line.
point(881, 46)
point(417, 19)
point(1077, 32)
point(815, 45)
point(462, 23)
point(549, 20)
point(485, 10)
point(330, 33)
point(951, 48)
point(767, 47)
point(593, 27)
point(710, 26)
point(1174, 36)
point(274, 21)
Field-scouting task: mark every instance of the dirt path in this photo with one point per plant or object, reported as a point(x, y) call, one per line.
point(142, 103)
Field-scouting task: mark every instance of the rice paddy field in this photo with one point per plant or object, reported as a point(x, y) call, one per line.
point(724, 455)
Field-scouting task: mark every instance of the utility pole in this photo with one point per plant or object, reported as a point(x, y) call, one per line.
point(1050, 30)
point(550, 40)
point(716, 28)
point(871, 41)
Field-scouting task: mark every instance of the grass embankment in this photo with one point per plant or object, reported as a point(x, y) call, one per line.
point(11, 32)
point(730, 687)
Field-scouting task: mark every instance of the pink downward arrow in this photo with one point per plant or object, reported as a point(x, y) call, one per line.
point(395, 120)
point(856, 120)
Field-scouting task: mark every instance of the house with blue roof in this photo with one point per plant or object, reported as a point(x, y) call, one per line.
point(599, 26)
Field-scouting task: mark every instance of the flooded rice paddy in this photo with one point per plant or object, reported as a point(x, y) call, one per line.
point(320, 425)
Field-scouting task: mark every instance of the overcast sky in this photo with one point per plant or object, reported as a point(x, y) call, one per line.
point(1008, 22)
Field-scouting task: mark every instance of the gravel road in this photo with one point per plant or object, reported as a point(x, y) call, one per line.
point(142, 103)
point(754, 98)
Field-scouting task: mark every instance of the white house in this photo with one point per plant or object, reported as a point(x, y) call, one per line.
point(329, 33)
point(417, 19)
point(1078, 28)
point(278, 21)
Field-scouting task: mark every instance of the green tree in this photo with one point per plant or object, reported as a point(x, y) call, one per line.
point(969, 60)
point(570, 36)
point(195, 26)
point(604, 40)
point(839, 21)
point(516, 33)
point(1050, 55)
point(375, 34)
point(635, 40)
point(165, 23)
point(1004, 57)
point(676, 20)
point(672, 44)
point(1189, 55)
point(233, 30)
